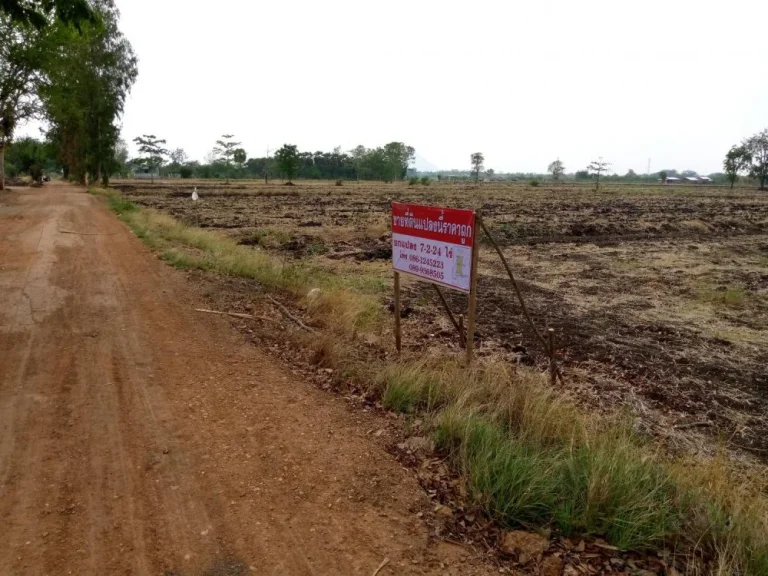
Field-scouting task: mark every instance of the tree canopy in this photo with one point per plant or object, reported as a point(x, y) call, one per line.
point(557, 169)
point(287, 158)
point(41, 13)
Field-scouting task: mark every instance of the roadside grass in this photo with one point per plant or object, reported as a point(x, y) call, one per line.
point(528, 456)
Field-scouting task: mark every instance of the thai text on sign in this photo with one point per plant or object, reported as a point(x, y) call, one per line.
point(434, 244)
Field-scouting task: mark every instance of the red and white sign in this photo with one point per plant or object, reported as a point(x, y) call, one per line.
point(434, 244)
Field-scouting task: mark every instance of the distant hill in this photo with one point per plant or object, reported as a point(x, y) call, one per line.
point(421, 164)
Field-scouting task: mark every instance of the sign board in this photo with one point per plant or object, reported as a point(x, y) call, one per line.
point(434, 244)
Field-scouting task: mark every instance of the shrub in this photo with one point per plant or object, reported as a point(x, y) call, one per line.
point(534, 183)
point(425, 180)
point(36, 172)
point(339, 183)
point(413, 180)
point(185, 172)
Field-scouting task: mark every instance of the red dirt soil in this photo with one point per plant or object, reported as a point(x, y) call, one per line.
point(140, 437)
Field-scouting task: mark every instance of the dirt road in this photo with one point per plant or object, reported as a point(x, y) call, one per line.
point(140, 437)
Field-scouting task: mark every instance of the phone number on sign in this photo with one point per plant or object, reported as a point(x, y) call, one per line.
point(427, 272)
point(439, 264)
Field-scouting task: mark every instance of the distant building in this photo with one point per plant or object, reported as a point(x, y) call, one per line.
point(142, 172)
point(705, 180)
point(692, 179)
point(671, 180)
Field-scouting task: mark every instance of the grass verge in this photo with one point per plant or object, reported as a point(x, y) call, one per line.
point(528, 456)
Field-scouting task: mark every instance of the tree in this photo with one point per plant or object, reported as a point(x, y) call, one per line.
point(358, 153)
point(121, 157)
point(398, 156)
point(239, 157)
point(582, 175)
point(287, 159)
point(597, 167)
point(736, 160)
point(21, 58)
point(29, 152)
point(178, 156)
point(663, 176)
point(86, 79)
point(225, 149)
point(630, 175)
point(757, 153)
point(477, 160)
point(557, 169)
point(40, 13)
point(152, 151)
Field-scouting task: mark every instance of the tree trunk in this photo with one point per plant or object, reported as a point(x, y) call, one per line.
point(2, 167)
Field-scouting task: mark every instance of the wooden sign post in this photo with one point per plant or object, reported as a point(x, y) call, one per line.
point(472, 298)
point(437, 245)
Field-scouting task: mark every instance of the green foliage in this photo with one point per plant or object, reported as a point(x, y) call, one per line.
point(88, 77)
point(287, 159)
point(239, 157)
point(413, 180)
point(186, 171)
point(736, 160)
point(36, 172)
point(22, 55)
point(533, 183)
point(602, 488)
point(226, 148)
point(25, 153)
point(40, 13)
point(756, 156)
point(426, 181)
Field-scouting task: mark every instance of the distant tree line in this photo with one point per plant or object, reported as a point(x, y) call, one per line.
point(229, 160)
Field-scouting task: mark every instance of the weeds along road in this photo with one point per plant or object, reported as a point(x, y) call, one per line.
point(139, 437)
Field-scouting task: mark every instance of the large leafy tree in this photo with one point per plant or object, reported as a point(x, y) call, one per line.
point(398, 157)
point(87, 79)
point(736, 160)
point(756, 148)
point(22, 55)
point(287, 159)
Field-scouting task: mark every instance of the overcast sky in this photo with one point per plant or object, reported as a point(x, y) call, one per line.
point(525, 82)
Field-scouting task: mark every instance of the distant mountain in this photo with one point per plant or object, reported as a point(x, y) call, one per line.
point(421, 164)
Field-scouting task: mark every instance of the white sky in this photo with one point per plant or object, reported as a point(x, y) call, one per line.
point(676, 81)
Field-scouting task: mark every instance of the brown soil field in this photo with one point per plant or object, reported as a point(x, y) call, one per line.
point(658, 295)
